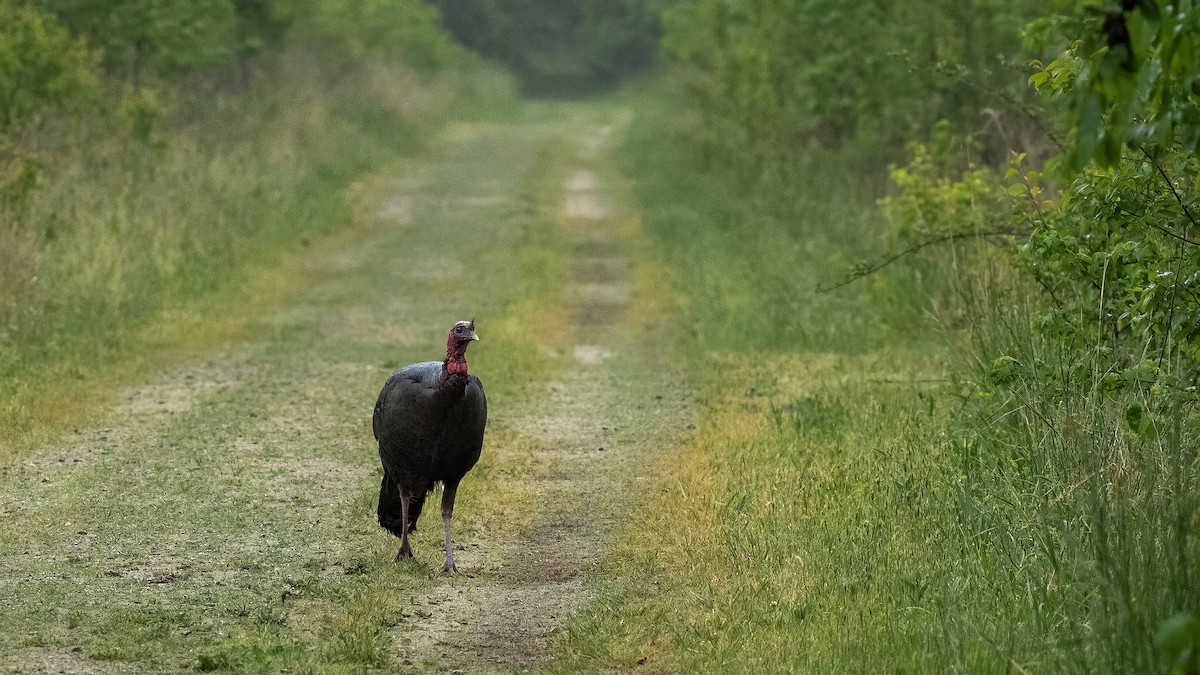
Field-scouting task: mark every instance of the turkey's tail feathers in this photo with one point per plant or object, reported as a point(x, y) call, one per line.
point(390, 510)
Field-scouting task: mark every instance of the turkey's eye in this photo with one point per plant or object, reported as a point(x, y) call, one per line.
point(458, 329)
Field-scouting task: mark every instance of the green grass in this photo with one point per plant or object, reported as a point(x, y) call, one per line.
point(793, 531)
point(852, 499)
point(130, 245)
point(749, 256)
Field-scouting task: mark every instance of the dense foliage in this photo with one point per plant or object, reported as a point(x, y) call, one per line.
point(41, 65)
point(1052, 210)
point(784, 77)
point(559, 46)
point(1118, 249)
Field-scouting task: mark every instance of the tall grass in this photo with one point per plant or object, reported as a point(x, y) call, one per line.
point(859, 495)
point(806, 525)
point(1087, 498)
point(131, 229)
point(751, 252)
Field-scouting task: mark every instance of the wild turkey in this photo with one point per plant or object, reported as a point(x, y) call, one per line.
point(429, 422)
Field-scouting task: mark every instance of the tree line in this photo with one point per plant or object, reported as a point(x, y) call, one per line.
point(67, 54)
point(560, 46)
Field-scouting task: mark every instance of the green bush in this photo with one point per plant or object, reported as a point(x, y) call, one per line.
point(776, 80)
point(1087, 340)
point(353, 30)
point(41, 66)
point(143, 39)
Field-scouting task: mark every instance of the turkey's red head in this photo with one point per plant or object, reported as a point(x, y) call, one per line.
point(461, 335)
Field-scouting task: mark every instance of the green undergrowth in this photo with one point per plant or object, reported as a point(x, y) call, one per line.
point(135, 243)
point(792, 532)
point(832, 511)
point(750, 254)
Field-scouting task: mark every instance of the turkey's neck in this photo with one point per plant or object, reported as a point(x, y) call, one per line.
point(456, 357)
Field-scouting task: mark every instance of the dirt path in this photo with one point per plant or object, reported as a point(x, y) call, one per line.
point(221, 517)
point(588, 439)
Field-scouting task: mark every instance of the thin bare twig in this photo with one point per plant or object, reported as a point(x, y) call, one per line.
point(1019, 106)
point(1160, 228)
point(1166, 179)
point(876, 266)
point(929, 380)
point(1162, 354)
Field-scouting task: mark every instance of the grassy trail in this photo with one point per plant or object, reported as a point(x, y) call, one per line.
point(220, 516)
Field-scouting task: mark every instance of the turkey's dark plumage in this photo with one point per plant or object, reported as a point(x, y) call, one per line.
point(429, 422)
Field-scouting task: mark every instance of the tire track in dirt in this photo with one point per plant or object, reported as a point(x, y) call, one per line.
point(545, 584)
point(592, 431)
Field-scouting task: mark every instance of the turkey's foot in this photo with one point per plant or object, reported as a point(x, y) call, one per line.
point(449, 567)
point(405, 553)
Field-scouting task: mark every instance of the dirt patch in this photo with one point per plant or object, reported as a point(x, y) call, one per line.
point(601, 270)
point(592, 354)
point(361, 325)
point(179, 390)
point(586, 205)
point(39, 660)
point(596, 244)
point(583, 181)
point(585, 198)
point(520, 622)
point(592, 145)
point(398, 210)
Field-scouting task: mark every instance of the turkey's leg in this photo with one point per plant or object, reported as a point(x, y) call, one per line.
point(405, 551)
point(447, 511)
point(389, 506)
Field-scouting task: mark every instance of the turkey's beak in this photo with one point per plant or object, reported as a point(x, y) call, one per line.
point(474, 337)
